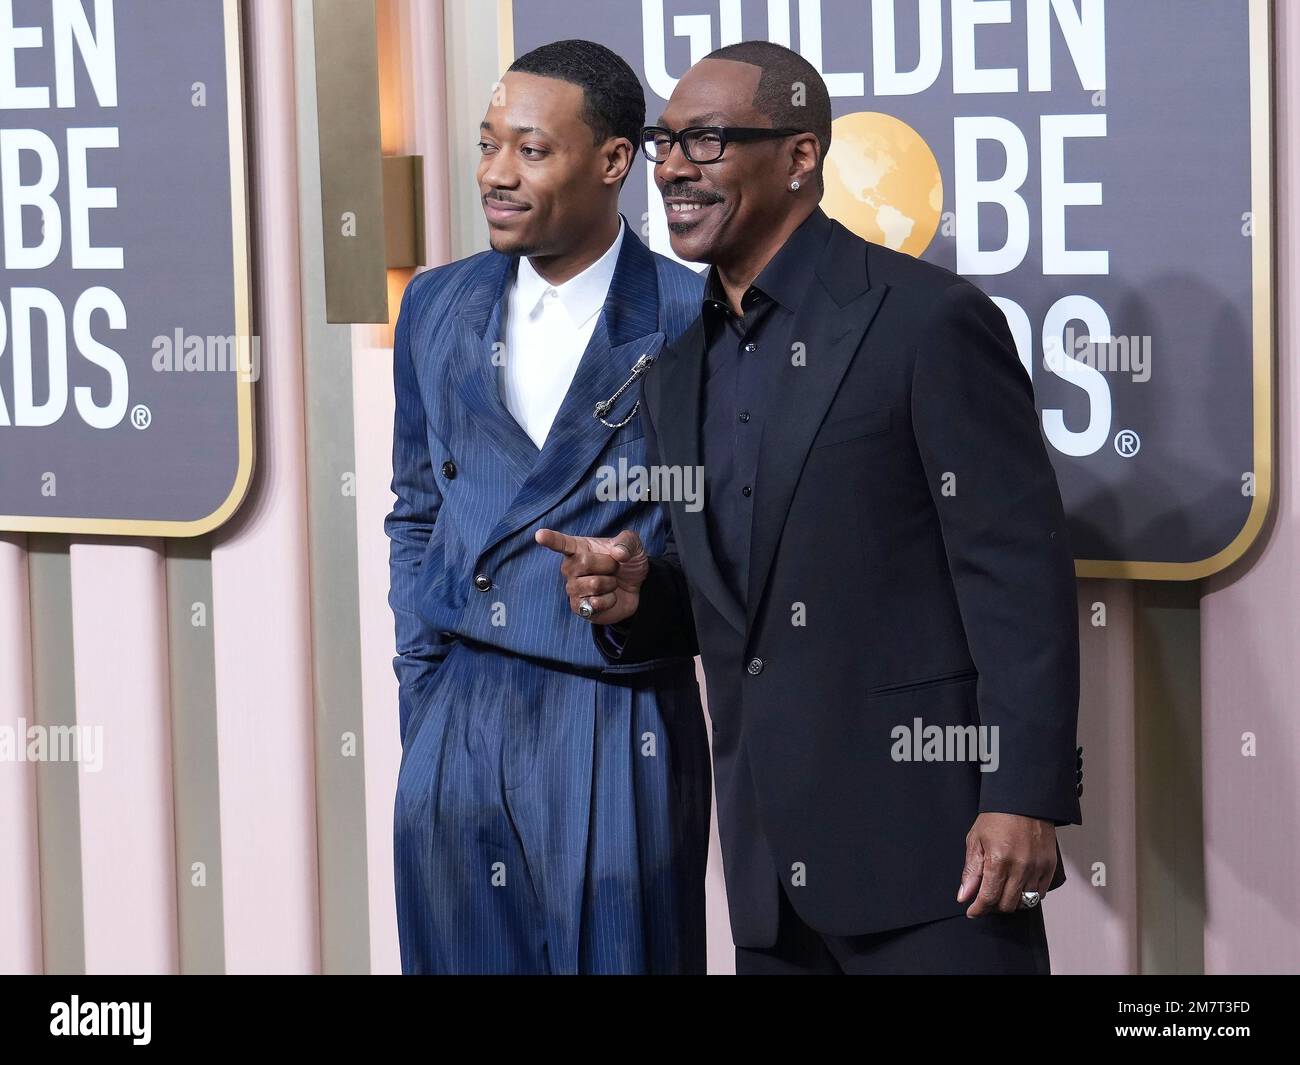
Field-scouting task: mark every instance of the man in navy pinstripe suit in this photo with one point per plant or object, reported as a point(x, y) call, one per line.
point(552, 810)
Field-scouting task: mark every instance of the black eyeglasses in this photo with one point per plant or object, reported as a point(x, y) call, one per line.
point(703, 144)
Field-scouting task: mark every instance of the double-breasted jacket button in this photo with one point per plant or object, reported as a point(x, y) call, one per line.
point(483, 582)
point(449, 470)
point(755, 667)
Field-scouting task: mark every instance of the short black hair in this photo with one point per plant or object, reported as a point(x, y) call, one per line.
point(613, 102)
point(784, 73)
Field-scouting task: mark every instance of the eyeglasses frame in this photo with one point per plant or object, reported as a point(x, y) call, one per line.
point(726, 134)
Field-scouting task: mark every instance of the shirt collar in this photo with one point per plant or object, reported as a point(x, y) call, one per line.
point(785, 277)
point(582, 296)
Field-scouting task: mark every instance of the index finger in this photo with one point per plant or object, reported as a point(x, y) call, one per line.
point(557, 541)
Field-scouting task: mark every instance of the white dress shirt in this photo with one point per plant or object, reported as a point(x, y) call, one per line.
point(547, 329)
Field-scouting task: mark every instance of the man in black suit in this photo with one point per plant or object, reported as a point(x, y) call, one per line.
point(879, 582)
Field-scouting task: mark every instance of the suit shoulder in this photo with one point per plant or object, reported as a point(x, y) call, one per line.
point(449, 281)
point(923, 287)
point(900, 270)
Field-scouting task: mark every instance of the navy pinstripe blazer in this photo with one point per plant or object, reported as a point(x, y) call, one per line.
point(471, 486)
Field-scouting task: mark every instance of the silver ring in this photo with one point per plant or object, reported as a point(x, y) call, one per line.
point(1029, 899)
point(584, 608)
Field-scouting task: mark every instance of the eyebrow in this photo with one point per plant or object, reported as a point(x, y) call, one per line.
point(485, 125)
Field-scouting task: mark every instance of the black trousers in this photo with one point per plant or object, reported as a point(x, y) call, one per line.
point(995, 944)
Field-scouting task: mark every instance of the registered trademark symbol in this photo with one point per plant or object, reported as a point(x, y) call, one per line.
point(141, 416)
point(1127, 443)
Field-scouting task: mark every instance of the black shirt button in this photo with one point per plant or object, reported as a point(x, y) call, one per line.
point(746, 491)
point(449, 470)
point(483, 582)
point(744, 415)
point(755, 667)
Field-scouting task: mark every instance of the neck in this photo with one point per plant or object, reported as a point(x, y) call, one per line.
point(737, 272)
point(559, 268)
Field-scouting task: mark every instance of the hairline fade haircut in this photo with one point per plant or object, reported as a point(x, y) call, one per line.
point(613, 102)
point(782, 69)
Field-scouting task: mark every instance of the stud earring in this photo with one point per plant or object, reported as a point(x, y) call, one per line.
point(794, 186)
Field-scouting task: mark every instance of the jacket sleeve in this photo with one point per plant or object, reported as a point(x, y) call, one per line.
point(409, 525)
point(1004, 534)
point(663, 626)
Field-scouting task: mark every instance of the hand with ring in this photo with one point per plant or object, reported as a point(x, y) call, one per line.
point(1010, 860)
point(603, 575)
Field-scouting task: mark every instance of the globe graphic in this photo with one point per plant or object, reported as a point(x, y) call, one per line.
point(883, 182)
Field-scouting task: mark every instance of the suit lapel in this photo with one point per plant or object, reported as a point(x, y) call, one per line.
point(478, 330)
point(839, 309)
point(628, 327)
point(678, 392)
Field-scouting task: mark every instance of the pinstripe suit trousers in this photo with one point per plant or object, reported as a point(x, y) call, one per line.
point(514, 860)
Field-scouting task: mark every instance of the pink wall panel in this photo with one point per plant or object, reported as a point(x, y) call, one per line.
point(20, 895)
point(262, 639)
point(128, 877)
point(1092, 918)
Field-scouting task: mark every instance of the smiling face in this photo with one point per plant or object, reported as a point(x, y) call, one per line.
point(715, 209)
point(545, 186)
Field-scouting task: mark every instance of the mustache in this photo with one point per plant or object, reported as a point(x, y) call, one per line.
point(494, 195)
point(685, 191)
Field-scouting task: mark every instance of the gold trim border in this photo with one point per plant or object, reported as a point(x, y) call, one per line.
point(240, 252)
point(1262, 286)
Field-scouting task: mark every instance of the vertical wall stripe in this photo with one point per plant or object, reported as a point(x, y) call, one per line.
point(1171, 918)
point(1249, 639)
point(195, 793)
point(20, 885)
point(721, 951)
point(373, 389)
point(125, 783)
point(54, 705)
point(1092, 927)
point(332, 539)
point(262, 642)
point(472, 69)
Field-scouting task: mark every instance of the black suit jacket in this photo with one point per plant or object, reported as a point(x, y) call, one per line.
point(908, 561)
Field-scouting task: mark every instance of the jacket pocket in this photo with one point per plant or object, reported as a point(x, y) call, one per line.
point(924, 682)
point(842, 430)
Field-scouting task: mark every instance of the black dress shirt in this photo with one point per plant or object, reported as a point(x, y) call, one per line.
point(741, 354)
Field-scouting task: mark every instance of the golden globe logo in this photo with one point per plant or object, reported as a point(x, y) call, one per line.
point(883, 181)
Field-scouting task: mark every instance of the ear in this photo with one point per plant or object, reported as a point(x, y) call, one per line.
point(805, 154)
point(617, 156)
